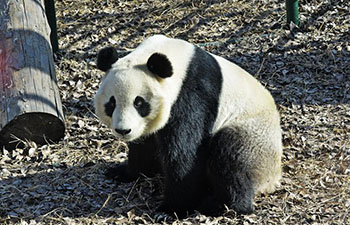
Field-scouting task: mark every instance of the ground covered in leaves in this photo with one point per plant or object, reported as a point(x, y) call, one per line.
point(305, 68)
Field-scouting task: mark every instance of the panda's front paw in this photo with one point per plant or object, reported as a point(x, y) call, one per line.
point(120, 173)
point(171, 212)
point(164, 208)
point(164, 213)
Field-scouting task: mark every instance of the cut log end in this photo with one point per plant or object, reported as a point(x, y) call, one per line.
point(42, 128)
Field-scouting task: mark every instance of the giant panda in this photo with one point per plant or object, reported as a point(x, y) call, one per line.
point(208, 126)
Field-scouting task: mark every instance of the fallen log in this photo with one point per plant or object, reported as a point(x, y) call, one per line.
point(30, 105)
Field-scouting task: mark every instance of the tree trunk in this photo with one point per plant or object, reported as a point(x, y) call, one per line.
point(30, 105)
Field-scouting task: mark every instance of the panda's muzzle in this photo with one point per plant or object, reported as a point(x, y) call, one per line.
point(122, 131)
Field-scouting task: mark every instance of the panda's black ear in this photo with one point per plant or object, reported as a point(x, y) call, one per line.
point(106, 57)
point(160, 65)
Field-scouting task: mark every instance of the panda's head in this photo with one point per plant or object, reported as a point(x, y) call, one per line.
point(131, 99)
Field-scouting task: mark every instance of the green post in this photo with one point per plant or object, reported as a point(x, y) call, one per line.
point(292, 11)
point(51, 18)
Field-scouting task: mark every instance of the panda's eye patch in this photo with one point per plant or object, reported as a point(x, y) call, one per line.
point(110, 106)
point(142, 107)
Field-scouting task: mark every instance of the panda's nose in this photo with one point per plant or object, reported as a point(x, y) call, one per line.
point(122, 131)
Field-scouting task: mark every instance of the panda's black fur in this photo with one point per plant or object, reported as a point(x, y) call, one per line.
point(185, 139)
point(106, 58)
point(202, 170)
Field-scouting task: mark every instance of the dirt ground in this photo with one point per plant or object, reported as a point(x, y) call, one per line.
point(307, 69)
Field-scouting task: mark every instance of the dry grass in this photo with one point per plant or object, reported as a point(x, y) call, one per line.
point(306, 70)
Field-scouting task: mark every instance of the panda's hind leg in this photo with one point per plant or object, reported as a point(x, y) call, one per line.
point(228, 174)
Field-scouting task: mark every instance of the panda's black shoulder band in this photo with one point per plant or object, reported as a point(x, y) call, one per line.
point(160, 65)
point(106, 57)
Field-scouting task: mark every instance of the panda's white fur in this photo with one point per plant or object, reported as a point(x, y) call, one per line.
point(240, 92)
point(244, 104)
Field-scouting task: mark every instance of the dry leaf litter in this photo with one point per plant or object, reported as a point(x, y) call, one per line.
point(305, 68)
